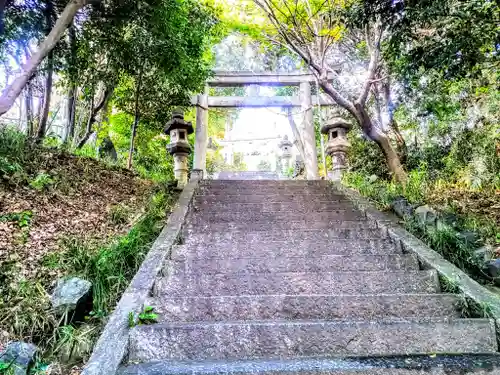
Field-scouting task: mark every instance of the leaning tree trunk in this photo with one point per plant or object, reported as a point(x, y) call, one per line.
point(13, 90)
point(93, 114)
point(391, 156)
point(135, 123)
point(42, 127)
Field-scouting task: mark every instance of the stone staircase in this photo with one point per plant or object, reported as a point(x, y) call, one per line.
point(288, 277)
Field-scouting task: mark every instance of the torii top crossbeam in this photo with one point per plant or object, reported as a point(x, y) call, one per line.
point(242, 78)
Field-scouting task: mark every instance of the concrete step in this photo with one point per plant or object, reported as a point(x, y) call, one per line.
point(193, 236)
point(280, 250)
point(248, 175)
point(269, 198)
point(226, 284)
point(289, 307)
point(208, 225)
point(267, 183)
point(280, 340)
point(270, 217)
point(288, 207)
point(314, 263)
point(265, 191)
point(476, 364)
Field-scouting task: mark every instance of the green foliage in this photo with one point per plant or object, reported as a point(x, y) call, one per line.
point(264, 165)
point(119, 214)
point(42, 181)
point(216, 163)
point(146, 316)
point(22, 219)
point(380, 192)
point(365, 157)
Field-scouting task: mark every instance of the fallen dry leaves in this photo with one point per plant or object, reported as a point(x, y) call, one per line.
point(78, 204)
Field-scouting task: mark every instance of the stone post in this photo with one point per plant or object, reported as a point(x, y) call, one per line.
point(337, 145)
point(179, 147)
point(308, 133)
point(286, 154)
point(201, 132)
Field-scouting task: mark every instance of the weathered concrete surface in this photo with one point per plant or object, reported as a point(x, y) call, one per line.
point(213, 341)
point(259, 198)
point(272, 207)
point(111, 347)
point(281, 250)
point(291, 307)
point(274, 217)
point(485, 364)
point(209, 226)
point(291, 235)
point(299, 283)
point(312, 263)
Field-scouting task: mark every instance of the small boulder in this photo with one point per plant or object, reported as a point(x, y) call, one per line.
point(70, 294)
point(426, 215)
point(493, 269)
point(450, 219)
point(470, 238)
point(402, 207)
point(484, 254)
point(21, 355)
point(372, 178)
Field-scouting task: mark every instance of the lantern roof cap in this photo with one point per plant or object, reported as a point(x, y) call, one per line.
point(336, 122)
point(285, 142)
point(178, 122)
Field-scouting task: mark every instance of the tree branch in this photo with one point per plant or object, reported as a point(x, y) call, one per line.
point(372, 67)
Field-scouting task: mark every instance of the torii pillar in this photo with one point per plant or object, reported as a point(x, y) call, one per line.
point(308, 133)
point(201, 134)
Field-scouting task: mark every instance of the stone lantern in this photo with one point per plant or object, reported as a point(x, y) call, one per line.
point(286, 153)
point(337, 145)
point(179, 147)
point(211, 146)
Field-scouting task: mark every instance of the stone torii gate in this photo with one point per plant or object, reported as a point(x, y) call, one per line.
point(305, 101)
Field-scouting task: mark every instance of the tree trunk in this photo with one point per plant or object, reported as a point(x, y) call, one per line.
point(88, 128)
point(391, 156)
point(69, 133)
point(400, 141)
point(358, 111)
point(42, 127)
point(13, 90)
point(108, 92)
point(296, 134)
point(40, 107)
point(135, 123)
point(28, 102)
